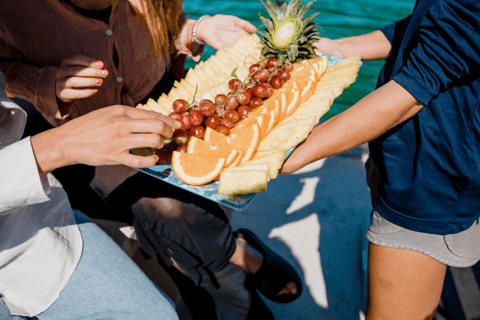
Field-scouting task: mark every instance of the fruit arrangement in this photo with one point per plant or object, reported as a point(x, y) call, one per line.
point(237, 127)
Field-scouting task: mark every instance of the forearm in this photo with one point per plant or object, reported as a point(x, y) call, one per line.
point(370, 46)
point(364, 121)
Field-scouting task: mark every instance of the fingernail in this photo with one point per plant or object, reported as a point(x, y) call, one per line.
point(100, 64)
point(95, 91)
point(99, 81)
point(105, 73)
point(178, 124)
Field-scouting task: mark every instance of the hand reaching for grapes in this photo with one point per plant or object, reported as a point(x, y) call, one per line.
point(221, 31)
point(78, 78)
point(104, 137)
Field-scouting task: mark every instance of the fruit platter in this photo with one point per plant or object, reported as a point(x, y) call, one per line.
point(244, 109)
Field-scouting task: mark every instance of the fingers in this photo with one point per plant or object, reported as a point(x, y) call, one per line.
point(81, 71)
point(246, 25)
point(80, 60)
point(78, 76)
point(67, 95)
point(136, 113)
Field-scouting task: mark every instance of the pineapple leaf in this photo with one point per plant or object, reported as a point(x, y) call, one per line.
point(296, 4)
point(266, 22)
point(293, 52)
point(272, 10)
point(304, 9)
point(307, 20)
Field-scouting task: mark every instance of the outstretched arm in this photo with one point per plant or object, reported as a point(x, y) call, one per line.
point(381, 110)
point(370, 46)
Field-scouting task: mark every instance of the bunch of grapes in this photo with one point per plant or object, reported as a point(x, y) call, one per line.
point(226, 110)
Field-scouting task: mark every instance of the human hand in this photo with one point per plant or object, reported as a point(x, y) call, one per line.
point(78, 78)
point(104, 137)
point(221, 31)
point(328, 46)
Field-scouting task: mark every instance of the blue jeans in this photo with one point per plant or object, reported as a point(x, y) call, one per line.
point(107, 284)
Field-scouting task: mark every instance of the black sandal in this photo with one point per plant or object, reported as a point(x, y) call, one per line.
point(275, 272)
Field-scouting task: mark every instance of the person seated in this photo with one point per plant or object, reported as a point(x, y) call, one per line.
point(70, 58)
point(55, 263)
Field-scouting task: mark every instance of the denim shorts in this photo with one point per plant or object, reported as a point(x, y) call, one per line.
point(457, 250)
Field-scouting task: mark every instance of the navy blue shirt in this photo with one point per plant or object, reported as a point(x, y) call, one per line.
point(430, 164)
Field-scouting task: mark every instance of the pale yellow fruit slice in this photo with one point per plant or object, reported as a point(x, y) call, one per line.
point(353, 60)
point(300, 133)
point(277, 136)
point(274, 159)
point(259, 166)
point(242, 181)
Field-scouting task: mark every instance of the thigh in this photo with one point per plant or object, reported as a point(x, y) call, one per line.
point(402, 284)
point(107, 284)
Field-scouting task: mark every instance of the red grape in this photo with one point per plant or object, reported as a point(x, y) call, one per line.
point(284, 75)
point(174, 115)
point(256, 102)
point(197, 131)
point(269, 89)
point(171, 146)
point(227, 123)
point(207, 108)
point(288, 66)
point(234, 84)
point(212, 121)
point(254, 68)
point(261, 75)
point(276, 82)
point(222, 129)
point(164, 156)
point(272, 63)
point(185, 121)
point(260, 91)
point(243, 111)
point(180, 106)
point(242, 97)
point(231, 103)
point(182, 149)
point(263, 62)
point(180, 137)
point(195, 117)
point(232, 115)
point(220, 98)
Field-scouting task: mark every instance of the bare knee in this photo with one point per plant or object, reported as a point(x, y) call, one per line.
point(160, 208)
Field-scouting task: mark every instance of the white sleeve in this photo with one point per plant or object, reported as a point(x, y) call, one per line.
point(20, 182)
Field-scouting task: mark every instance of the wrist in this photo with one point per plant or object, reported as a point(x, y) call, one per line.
point(197, 31)
point(49, 151)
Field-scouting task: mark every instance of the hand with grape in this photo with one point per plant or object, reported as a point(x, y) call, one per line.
point(226, 110)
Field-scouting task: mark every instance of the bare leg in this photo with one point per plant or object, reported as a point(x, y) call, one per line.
point(251, 260)
point(402, 284)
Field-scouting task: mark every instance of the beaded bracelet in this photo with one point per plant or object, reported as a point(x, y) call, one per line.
point(195, 29)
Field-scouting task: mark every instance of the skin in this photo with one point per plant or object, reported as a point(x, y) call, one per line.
point(81, 77)
point(103, 137)
point(402, 284)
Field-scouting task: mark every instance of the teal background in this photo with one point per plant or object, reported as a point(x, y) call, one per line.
point(337, 19)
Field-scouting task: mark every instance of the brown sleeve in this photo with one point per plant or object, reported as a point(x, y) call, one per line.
point(29, 82)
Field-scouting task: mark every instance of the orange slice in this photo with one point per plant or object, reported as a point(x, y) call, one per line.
point(207, 149)
point(232, 157)
point(238, 159)
point(307, 86)
point(293, 101)
point(246, 140)
point(196, 170)
point(214, 136)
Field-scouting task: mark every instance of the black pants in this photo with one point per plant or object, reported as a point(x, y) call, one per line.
point(171, 224)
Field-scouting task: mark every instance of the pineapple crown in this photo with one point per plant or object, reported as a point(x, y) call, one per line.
point(288, 36)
